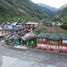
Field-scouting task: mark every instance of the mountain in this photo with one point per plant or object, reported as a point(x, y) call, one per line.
point(62, 14)
point(64, 6)
point(11, 10)
point(50, 10)
point(47, 6)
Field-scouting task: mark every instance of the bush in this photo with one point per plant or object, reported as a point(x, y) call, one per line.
point(64, 27)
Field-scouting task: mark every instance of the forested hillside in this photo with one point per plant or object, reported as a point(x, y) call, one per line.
point(11, 10)
point(62, 14)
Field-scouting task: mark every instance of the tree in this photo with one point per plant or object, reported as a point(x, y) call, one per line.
point(40, 29)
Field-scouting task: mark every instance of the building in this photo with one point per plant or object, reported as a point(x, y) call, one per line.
point(29, 39)
point(30, 26)
point(57, 23)
point(52, 41)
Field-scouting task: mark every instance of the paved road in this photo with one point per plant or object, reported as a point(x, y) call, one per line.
point(10, 57)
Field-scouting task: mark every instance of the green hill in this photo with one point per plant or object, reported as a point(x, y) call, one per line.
point(11, 10)
point(62, 14)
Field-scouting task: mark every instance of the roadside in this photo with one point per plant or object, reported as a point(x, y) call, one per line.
point(22, 47)
point(30, 57)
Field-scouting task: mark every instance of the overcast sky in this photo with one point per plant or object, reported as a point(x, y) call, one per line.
point(53, 3)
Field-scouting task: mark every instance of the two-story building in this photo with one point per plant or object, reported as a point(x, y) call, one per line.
point(30, 26)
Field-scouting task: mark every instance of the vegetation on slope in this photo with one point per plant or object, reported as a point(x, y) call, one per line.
point(62, 14)
point(11, 10)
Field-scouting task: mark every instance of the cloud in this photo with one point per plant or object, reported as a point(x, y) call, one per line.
point(53, 3)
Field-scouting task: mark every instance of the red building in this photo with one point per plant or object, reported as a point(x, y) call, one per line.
point(52, 41)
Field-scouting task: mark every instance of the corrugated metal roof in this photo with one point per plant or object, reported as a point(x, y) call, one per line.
point(45, 35)
point(63, 36)
point(28, 36)
point(54, 36)
point(11, 27)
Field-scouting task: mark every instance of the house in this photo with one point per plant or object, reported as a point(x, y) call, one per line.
point(29, 39)
point(2, 31)
point(52, 41)
point(30, 26)
point(13, 27)
point(57, 23)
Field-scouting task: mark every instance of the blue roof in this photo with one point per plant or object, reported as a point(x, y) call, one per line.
point(11, 27)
